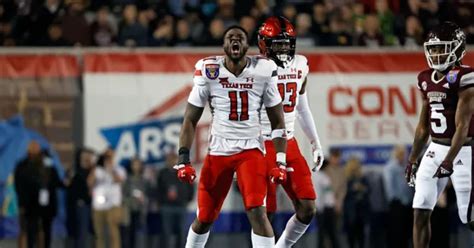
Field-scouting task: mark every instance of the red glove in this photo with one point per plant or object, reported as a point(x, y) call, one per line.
point(186, 173)
point(444, 170)
point(278, 174)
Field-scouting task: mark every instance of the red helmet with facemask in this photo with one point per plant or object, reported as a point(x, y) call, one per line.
point(277, 40)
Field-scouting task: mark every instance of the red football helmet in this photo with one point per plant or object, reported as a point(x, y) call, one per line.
point(277, 39)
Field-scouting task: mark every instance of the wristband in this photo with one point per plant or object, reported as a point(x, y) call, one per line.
point(279, 133)
point(183, 156)
point(281, 157)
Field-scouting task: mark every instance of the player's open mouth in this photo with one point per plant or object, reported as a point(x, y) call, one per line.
point(235, 48)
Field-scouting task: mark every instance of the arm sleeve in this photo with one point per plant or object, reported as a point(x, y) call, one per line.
point(420, 86)
point(306, 121)
point(271, 96)
point(200, 93)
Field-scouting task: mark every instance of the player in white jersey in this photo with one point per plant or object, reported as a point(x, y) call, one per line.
point(277, 41)
point(237, 87)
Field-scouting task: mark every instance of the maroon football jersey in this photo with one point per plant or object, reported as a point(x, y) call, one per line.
point(442, 96)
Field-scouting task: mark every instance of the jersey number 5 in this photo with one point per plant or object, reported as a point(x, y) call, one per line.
point(439, 125)
point(244, 111)
point(290, 88)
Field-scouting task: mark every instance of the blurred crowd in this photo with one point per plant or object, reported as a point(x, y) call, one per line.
point(109, 204)
point(106, 204)
point(185, 23)
point(359, 206)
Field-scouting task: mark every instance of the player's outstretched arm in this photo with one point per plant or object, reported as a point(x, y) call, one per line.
point(277, 120)
point(464, 112)
point(276, 117)
point(186, 172)
point(306, 121)
point(421, 133)
point(419, 142)
point(192, 115)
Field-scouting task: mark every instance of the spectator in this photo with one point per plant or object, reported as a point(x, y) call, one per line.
point(335, 172)
point(102, 29)
point(225, 12)
point(164, 32)
point(325, 214)
point(78, 199)
point(6, 37)
point(20, 175)
point(42, 20)
point(378, 207)
point(216, 32)
point(346, 15)
point(36, 182)
point(356, 204)
point(131, 33)
point(248, 23)
point(371, 37)
point(387, 22)
point(178, 7)
point(303, 28)
point(173, 197)
point(413, 37)
point(106, 180)
point(338, 34)
point(55, 37)
point(135, 189)
point(198, 26)
point(261, 9)
point(399, 197)
point(74, 26)
point(425, 10)
point(289, 12)
point(358, 18)
point(7, 11)
point(183, 34)
point(320, 26)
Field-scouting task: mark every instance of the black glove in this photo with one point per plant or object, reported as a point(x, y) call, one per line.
point(410, 173)
point(444, 170)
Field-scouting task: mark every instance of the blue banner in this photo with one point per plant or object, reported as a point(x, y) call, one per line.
point(148, 140)
point(368, 154)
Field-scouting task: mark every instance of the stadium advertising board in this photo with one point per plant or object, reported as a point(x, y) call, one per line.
point(362, 103)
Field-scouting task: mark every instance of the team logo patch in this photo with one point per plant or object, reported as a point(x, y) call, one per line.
point(430, 154)
point(212, 71)
point(452, 76)
point(424, 85)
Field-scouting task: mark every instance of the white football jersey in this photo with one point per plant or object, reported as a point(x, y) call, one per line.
point(290, 81)
point(235, 101)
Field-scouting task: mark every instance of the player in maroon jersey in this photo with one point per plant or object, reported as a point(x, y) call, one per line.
point(446, 116)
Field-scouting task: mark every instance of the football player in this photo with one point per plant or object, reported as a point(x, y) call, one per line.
point(276, 40)
point(446, 116)
point(237, 87)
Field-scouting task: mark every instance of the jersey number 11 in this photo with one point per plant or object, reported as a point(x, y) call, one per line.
point(244, 111)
